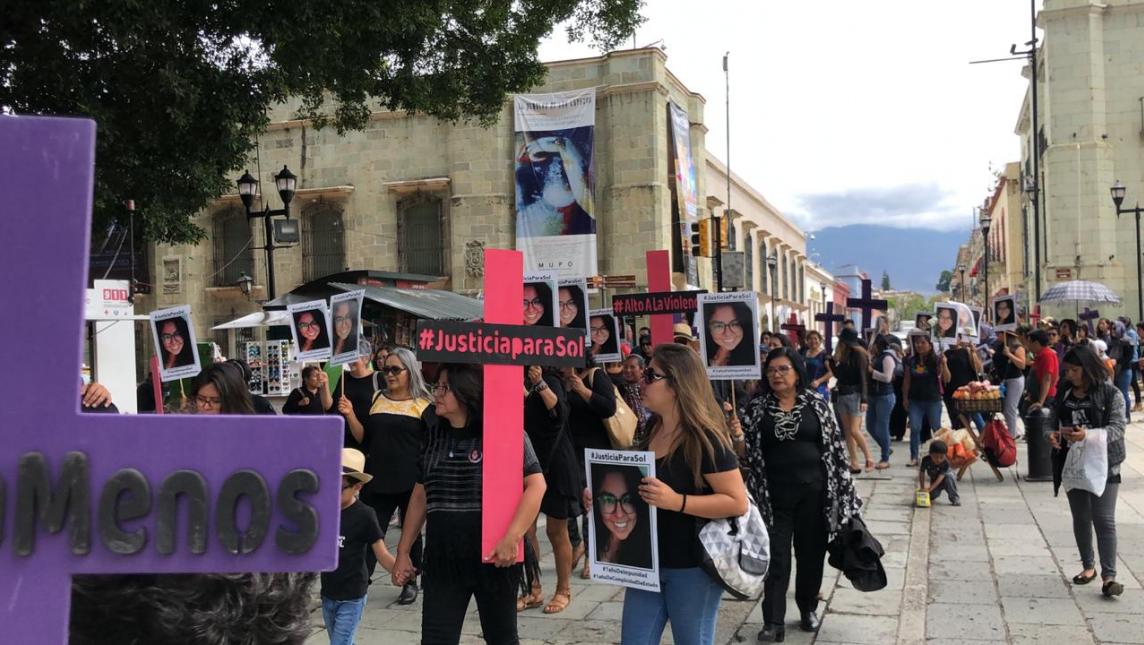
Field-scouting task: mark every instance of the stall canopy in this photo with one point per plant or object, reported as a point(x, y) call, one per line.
point(431, 304)
point(257, 319)
point(323, 288)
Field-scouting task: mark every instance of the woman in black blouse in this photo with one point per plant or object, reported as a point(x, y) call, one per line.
point(447, 501)
point(391, 438)
point(797, 470)
point(851, 367)
point(964, 367)
point(591, 399)
point(697, 476)
point(545, 422)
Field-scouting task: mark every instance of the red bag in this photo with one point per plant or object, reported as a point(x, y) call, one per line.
point(1000, 449)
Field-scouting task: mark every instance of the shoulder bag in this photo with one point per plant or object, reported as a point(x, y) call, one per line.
point(736, 552)
point(621, 426)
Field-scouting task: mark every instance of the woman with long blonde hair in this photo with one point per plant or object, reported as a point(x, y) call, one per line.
point(697, 476)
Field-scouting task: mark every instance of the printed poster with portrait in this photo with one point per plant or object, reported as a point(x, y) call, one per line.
point(540, 300)
point(555, 180)
point(310, 328)
point(604, 336)
point(572, 303)
point(622, 548)
point(1004, 310)
point(951, 319)
point(728, 334)
point(345, 314)
point(175, 343)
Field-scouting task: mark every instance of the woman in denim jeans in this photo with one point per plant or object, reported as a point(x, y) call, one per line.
point(882, 398)
point(697, 476)
point(921, 387)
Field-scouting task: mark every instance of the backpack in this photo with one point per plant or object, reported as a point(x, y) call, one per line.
point(999, 448)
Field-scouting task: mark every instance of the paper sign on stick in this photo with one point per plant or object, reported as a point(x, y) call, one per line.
point(345, 314)
point(175, 345)
point(604, 332)
point(729, 335)
point(287, 469)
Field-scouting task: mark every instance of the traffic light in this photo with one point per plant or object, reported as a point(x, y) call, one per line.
point(698, 238)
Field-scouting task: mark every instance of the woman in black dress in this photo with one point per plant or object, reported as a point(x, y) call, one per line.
point(591, 399)
point(964, 367)
point(545, 422)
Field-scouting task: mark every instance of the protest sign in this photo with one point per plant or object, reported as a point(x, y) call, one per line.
point(310, 327)
point(345, 312)
point(1004, 310)
point(175, 343)
point(646, 304)
point(622, 546)
point(572, 303)
point(729, 335)
point(445, 341)
point(604, 333)
point(539, 300)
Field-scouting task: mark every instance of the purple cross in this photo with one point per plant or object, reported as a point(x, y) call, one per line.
point(793, 328)
point(1087, 316)
point(84, 493)
point(866, 303)
point(829, 318)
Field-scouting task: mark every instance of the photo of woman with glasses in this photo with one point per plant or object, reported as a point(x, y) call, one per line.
point(604, 332)
point(310, 331)
point(391, 437)
point(729, 334)
point(622, 519)
point(346, 321)
point(572, 300)
point(175, 340)
point(538, 303)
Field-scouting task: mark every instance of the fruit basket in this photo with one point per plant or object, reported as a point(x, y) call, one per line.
point(978, 396)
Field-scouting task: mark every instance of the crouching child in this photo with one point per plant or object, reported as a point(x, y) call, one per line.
point(935, 467)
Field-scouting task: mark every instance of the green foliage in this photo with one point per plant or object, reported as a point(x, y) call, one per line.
point(885, 281)
point(944, 280)
point(180, 89)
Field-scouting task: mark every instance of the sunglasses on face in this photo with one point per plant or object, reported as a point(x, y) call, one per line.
point(651, 376)
point(609, 501)
point(392, 370)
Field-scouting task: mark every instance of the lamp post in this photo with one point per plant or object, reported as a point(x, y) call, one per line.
point(245, 284)
point(773, 264)
point(821, 285)
point(985, 220)
point(1118, 192)
point(285, 182)
point(961, 270)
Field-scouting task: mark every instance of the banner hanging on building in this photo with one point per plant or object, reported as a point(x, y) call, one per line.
point(686, 187)
point(555, 182)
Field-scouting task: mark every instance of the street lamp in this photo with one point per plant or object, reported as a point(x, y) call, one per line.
point(245, 283)
point(286, 184)
point(822, 285)
point(773, 264)
point(961, 270)
point(1118, 191)
point(985, 221)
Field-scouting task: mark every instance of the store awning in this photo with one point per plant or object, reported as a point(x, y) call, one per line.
point(257, 319)
point(431, 304)
point(976, 267)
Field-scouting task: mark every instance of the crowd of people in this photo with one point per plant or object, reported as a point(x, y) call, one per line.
point(792, 442)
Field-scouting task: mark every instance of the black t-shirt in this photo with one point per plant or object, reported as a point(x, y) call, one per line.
point(961, 370)
point(1078, 412)
point(359, 530)
point(294, 405)
point(932, 470)
point(393, 432)
point(1001, 363)
point(924, 375)
point(360, 392)
point(676, 532)
point(261, 405)
point(793, 458)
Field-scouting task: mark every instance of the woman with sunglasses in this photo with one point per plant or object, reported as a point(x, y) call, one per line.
point(697, 476)
point(447, 501)
point(798, 471)
point(391, 437)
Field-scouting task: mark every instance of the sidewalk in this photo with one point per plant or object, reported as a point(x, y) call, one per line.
point(995, 570)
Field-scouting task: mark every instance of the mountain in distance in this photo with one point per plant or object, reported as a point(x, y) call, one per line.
point(913, 257)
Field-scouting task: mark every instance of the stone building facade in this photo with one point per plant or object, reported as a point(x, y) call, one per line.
point(1091, 80)
point(411, 194)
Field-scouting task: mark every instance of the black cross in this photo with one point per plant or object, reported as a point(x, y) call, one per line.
point(867, 304)
point(829, 318)
point(1087, 316)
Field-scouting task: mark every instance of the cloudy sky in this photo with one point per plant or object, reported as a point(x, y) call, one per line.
point(847, 111)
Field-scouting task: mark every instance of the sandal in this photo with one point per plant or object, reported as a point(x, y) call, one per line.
point(530, 601)
point(1081, 579)
point(913, 463)
point(869, 465)
point(560, 601)
point(882, 465)
point(577, 554)
point(586, 572)
point(1111, 588)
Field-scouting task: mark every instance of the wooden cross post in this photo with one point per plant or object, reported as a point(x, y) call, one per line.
point(794, 329)
point(867, 304)
point(136, 493)
point(659, 279)
point(828, 318)
point(1087, 316)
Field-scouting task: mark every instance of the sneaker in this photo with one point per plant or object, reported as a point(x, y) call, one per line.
point(955, 502)
point(408, 594)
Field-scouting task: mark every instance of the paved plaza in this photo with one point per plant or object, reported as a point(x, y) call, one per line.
point(995, 570)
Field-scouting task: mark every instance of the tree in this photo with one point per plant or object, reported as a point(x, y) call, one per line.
point(179, 90)
point(943, 281)
point(885, 281)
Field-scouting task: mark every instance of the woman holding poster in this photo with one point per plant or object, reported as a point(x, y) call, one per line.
point(798, 473)
point(697, 477)
point(447, 501)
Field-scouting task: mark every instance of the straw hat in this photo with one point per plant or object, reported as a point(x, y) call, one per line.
point(353, 465)
point(682, 330)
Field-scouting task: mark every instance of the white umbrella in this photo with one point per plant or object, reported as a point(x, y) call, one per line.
point(1078, 291)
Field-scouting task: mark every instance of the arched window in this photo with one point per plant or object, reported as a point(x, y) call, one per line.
point(422, 246)
point(323, 241)
point(233, 247)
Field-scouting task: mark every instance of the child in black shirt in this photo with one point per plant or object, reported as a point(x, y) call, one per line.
point(936, 466)
point(344, 588)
